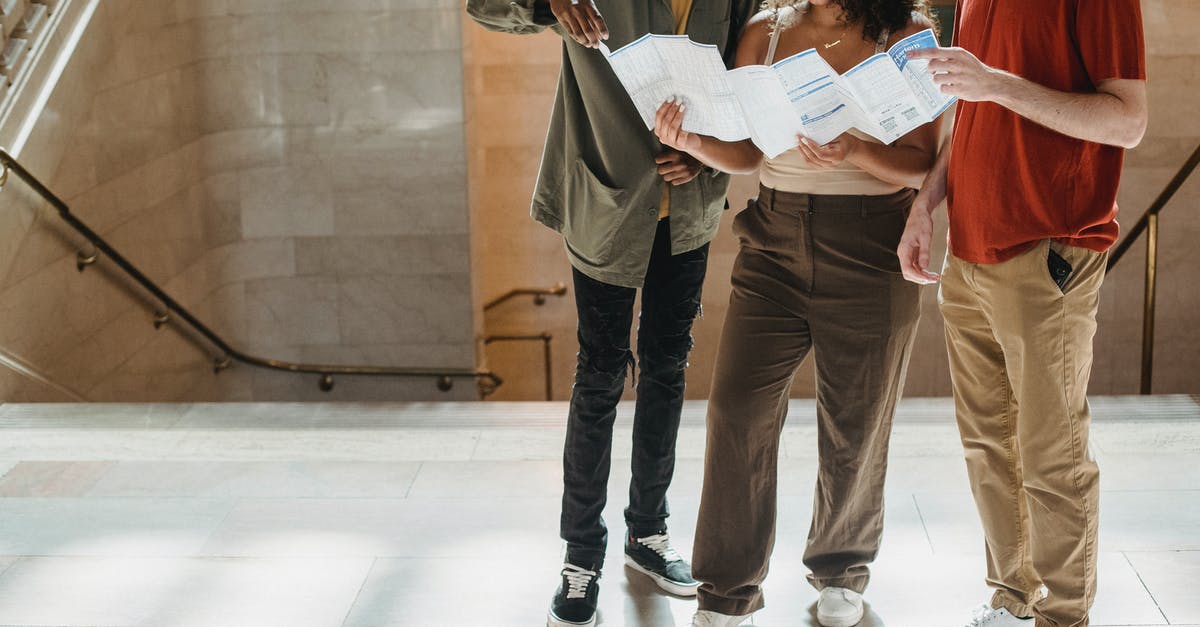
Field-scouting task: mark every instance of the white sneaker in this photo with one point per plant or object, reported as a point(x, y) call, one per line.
point(708, 618)
point(839, 607)
point(987, 616)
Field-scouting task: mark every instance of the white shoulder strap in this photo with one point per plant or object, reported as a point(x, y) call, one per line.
point(774, 41)
point(881, 45)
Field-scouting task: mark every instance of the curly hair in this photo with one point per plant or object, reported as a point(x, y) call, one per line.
point(876, 16)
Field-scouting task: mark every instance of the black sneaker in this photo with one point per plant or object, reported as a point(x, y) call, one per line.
point(654, 557)
point(574, 603)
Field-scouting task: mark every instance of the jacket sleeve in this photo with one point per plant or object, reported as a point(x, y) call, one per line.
point(739, 15)
point(520, 17)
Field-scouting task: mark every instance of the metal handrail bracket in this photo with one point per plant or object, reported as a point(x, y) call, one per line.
point(547, 359)
point(539, 295)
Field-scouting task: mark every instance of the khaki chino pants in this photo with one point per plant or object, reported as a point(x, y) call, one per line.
point(815, 273)
point(1020, 357)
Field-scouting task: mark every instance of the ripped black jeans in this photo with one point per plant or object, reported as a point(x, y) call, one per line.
point(670, 302)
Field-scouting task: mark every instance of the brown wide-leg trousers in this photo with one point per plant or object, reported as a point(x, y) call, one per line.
point(1020, 358)
point(819, 273)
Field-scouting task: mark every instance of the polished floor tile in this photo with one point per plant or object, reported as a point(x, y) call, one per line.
point(398, 515)
point(52, 478)
point(1172, 577)
point(178, 592)
point(109, 527)
point(296, 479)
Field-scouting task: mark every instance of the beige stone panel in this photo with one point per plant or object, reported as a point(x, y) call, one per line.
point(401, 140)
point(15, 388)
point(412, 167)
point(1172, 87)
point(506, 49)
point(142, 53)
point(381, 256)
point(91, 360)
point(1158, 151)
point(134, 123)
point(391, 89)
point(48, 311)
point(287, 201)
point(340, 32)
point(150, 16)
point(119, 199)
point(255, 7)
point(425, 309)
point(261, 90)
point(222, 213)
point(251, 260)
point(163, 371)
point(437, 355)
point(1170, 26)
point(512, 130)
point(293, 311)
point(389, 212)
point(18, 215)
point(526, 78)
point(223, 312)
point(233, 151)
point(166, 238)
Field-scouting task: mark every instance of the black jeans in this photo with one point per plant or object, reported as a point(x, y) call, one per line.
point(670, 302)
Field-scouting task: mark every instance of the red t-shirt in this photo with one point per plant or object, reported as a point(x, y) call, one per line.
point(1013, 182)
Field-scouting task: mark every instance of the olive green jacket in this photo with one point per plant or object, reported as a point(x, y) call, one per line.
point(598, 184)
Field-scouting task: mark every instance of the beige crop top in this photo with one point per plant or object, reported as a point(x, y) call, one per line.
point(789, 172)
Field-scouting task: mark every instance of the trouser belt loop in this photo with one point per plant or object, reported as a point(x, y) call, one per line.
point(862, 206)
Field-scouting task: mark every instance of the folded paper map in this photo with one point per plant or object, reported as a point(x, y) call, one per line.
point(885, 96)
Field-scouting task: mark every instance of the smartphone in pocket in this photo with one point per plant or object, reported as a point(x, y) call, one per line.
point(1060, 270)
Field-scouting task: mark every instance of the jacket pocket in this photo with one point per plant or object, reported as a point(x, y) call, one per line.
point(594, 212)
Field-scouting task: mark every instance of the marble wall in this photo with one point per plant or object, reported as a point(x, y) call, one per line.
point(292, 170)
point(507, 73)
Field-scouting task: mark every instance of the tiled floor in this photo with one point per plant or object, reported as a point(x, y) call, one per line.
point(446, 515)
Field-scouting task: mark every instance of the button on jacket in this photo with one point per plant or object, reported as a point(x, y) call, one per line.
point(598, 185)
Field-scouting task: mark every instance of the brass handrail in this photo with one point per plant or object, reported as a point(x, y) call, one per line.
point(545, 338)
point(487, 380)
point(539, 295)
point(1149, 224)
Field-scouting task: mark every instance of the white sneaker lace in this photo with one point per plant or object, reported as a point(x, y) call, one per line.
point(577, 580)
point(661, 544)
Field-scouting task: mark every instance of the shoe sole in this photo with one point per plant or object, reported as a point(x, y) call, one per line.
point(830, 621)
point(554, 621)
point(676, 589)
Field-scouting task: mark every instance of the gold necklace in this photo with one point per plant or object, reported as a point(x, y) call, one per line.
point(811, 26)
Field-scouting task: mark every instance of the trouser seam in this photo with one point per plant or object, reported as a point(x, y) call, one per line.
point(1072, 422)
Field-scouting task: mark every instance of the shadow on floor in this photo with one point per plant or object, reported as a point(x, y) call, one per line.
point(646, 605)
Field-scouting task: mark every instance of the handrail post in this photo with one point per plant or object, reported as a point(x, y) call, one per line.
point(1148, 302)
point(546, 337)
